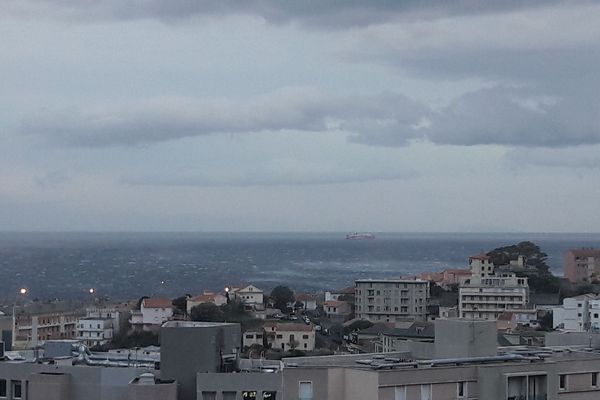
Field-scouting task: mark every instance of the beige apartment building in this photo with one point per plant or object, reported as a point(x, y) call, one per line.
point(488, 297)
point(487, 294)
point(582, 265)
point(391, 300)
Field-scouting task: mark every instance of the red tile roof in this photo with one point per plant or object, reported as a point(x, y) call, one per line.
point(203, 298)
point(157, 302)
point(480, 257)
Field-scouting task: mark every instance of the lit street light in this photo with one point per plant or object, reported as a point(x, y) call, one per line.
point(22, 292)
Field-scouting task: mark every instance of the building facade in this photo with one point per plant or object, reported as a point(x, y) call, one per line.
point(389, 300)
point(34, 329)
point(207, 297)
point(152, 314)
point(578, 314)
point(95, 331)
point(582, 265)
point(489, 296)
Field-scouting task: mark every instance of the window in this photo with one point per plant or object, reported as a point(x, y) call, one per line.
point(425, 392)
point(229, 395)
point(209, 395)
point(249, 395)
point(305, 391)
point(269, 395)
point(400, 393)
point(3, 388)
point(594, 379)
point(279, 336)
point(461, 390)
point(304, 336)
point(17, 392)
point(249, 336)
point(562, 382)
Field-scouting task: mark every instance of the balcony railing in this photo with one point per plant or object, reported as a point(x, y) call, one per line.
point(525, 397)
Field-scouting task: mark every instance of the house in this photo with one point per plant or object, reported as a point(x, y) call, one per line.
point(250, 295)
point(309, 301)
point(336, 294)
point(206, 297)
point(154, 311)
point(337, 310)
point(277, 335)
point(290, 336)
point(510, 321)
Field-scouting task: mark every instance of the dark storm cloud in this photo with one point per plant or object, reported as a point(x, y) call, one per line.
point(173, 118)
point(325, 14)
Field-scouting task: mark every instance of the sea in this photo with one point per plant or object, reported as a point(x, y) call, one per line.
point(131, 265)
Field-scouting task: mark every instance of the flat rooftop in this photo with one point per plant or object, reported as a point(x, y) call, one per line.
point(387, 280)
point(195, 324)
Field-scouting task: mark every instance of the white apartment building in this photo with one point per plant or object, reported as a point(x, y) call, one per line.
point(488, 297)
point(95, 331)
point(391, 300)
point(117, 313)
point(578, 314)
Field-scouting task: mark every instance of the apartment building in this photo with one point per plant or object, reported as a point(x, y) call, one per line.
point(390, 300)
point(578, 314)
point(582, 265)
point(33, 326)
point(95, 331)
point(489, 296)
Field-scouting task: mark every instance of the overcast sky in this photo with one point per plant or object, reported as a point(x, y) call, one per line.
point(412, 116)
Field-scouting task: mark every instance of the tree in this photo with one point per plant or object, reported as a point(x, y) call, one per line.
point(282, 296)
point(139, 302)
point(208, 312)
point(180, 304)
point(293, 344)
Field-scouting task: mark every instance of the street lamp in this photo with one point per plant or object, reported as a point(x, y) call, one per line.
point(22, 292)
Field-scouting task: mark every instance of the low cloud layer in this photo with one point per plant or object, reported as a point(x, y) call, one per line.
point(280, 172)
point(500, 115)
point(324, 14)
point(166, 119)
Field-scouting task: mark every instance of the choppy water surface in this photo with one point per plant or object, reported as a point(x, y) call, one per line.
point(129, 265)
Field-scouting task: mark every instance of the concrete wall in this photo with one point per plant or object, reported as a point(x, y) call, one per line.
point(217, 383)
point(465, 338)
point(188, 348)
point(159, 391)
point(49, 386)
point(85, 383)
point(573, 339)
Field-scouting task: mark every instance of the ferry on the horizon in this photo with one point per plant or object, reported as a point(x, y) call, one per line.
point(360, 236)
